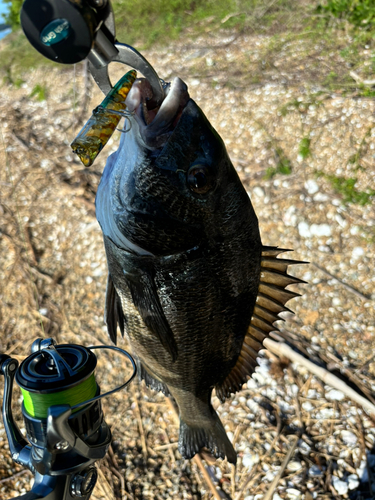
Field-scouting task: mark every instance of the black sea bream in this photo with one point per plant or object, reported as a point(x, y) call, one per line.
point(189, 281)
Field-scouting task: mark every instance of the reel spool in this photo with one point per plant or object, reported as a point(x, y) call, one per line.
point(59, 375)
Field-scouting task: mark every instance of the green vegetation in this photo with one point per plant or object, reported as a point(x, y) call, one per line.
point(360, 13)
point(150, 21)
point(12, 17)
point(162, 20)
point(304, 147)
point(143, 23)
point(283, 166)
point(9, 79)
point(40, 92)
point(302, 106)
point(346, 187)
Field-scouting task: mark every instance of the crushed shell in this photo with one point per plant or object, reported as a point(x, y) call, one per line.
point(270, 302)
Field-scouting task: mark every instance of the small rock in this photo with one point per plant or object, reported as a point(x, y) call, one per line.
point(362, 471)
point(270, 475)
point(293, 494)
point(335, 395)
point(259, 192)
point(249, 459)
point(315, 471)
point(289, 217)
point(304, 230)
point(307, 406)
point(303, 447)
point(340, 486)
point(294, 466)
point(342, 222)
point(276, 496)
point(357, 252)
point(320, 230)
point(252, 405)
point(311, 186)
point(353, 481)
point(321, 197)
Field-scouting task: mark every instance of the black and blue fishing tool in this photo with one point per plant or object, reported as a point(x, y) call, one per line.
point(65, 427)
point(69, 31)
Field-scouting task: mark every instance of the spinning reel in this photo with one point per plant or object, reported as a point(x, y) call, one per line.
point(65, 428)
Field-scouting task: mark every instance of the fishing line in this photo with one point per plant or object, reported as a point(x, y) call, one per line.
point(37, 404)
point(61, 375)
point(74, 92)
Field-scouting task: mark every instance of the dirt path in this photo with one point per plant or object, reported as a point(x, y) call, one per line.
point(295, 145)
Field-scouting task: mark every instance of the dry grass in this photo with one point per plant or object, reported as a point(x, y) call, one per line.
point(53, 271)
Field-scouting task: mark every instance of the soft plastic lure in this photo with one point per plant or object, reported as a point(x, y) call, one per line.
point(103, 121)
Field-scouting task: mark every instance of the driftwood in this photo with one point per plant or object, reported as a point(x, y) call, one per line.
point(282, 349)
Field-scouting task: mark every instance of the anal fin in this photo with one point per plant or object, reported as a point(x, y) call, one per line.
point(151, 381)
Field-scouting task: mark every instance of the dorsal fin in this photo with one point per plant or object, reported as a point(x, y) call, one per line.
point(270, 302)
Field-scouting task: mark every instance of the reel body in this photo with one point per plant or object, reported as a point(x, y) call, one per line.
point(65, 427)
point(69, 31)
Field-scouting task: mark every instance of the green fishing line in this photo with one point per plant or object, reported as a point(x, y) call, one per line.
point(37, 404)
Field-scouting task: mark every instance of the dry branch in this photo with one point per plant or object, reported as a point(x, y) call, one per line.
point(277, 478)
point(345, 285)
point(283, 349)
point(359, 80)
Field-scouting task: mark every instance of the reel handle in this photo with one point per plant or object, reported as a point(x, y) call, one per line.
point(18, 446)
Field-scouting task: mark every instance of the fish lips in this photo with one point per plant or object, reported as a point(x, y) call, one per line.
point(156, 125)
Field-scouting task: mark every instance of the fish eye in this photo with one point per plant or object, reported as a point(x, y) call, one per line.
point(198, 179)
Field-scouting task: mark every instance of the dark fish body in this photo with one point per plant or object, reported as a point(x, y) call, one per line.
point(185, 262)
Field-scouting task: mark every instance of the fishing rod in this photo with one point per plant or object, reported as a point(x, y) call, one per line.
point(65, 427)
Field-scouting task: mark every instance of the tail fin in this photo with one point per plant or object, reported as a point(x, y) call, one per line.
point(193, 439)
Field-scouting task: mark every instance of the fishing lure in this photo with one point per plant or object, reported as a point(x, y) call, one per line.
point(103, 121)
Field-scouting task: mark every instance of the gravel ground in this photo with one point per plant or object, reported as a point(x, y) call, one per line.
point(53, 269)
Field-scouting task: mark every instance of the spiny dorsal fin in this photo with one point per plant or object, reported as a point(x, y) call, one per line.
point(270, 302)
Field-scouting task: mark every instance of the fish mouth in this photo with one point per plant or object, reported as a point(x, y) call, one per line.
point(157, 124)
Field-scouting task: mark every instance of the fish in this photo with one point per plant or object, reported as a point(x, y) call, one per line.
point(189, 284)
point(99, 128)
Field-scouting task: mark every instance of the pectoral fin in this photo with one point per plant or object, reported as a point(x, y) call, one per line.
point(145, 298)
point(137, 273)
